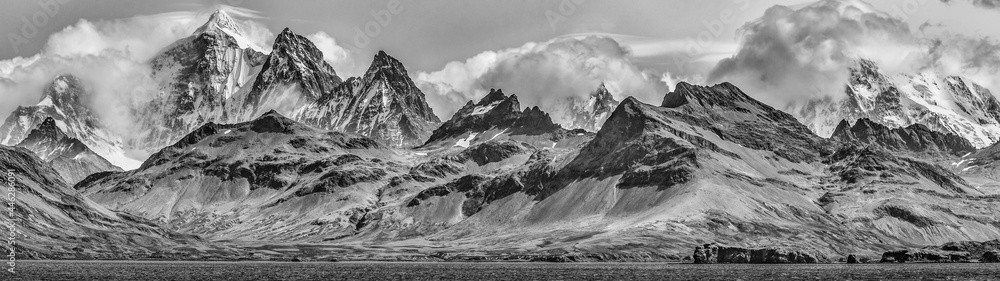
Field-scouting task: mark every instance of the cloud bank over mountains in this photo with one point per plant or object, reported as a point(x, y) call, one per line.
point(542, 74)
point(110, 57)
point(789, 56)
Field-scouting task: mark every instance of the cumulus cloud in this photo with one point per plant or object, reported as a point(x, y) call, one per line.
point(790, 56)
point(542, 74)
point(337, 56)
point(795, 55)
point(140, 37)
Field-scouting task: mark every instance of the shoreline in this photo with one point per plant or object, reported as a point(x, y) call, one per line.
point(481, 261)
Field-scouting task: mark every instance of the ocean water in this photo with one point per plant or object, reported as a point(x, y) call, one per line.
point(151, 271)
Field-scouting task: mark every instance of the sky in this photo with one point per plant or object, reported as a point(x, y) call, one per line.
point(456, 50)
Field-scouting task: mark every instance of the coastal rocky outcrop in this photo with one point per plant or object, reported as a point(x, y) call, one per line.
point(715, 253)
point(924, 255)
point(991, 256)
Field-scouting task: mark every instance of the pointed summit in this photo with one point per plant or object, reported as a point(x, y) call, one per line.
point(496, 111)
point(221, 21)
point(588, 111)
point(495, 95)
point(69, 156)
point(46, 130)
point(66, 91)
point(913, 138)
point(289, 40)
point(274, 122)
point(294, 60)
point(385, 65)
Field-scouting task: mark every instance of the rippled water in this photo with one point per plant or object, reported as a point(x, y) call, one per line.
point(149, 271)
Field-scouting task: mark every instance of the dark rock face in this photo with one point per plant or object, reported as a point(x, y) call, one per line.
point(915, 138)
point(387, 70)
point(991, 256)
point(763, 128)
point(854, 163)
point(852, 259)
point(492, 151)
point(924, 255)
point(714, 253)
point(384, 105)
point(294, 60)
point(591, 113)
point(496, 110)
point(629, 139)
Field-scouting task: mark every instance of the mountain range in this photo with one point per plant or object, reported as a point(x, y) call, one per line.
point(255, 155)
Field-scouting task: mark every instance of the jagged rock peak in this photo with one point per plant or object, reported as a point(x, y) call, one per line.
point(865, 65)
point(495, 95)
point(915, 138)
point(604, 100)
point(289, 38)
point(294, 60)
point(602, 92)
point(48, 124)
point(628, 108)
point(271, 112)
point(719, 94)
point(46, 130)
point(382, 59)
point(64, 91)
point(221, 21)
point(387, 65)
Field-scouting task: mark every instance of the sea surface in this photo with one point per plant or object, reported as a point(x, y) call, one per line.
point(152, 271)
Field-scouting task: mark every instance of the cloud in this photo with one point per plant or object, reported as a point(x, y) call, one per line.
point(542, 74)
point(141, 37)
point(799, 55)
point(974, 58)
point(258, 34)
point(986, 4)
point(113, 80)
point(790, 57)
point(337, 56)
point(109, 56)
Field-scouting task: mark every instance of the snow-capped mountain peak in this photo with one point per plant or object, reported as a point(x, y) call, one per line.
point(946, 104)
point(586, 112)
point(71, 157)
point(220, 22)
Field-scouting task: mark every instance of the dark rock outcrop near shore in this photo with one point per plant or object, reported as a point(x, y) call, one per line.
point(715, 253)
point(852, 259)
point(975, 248)
point(924, 255)
point(991, 256)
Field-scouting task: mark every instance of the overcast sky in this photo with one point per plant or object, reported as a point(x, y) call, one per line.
point(459, 47)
